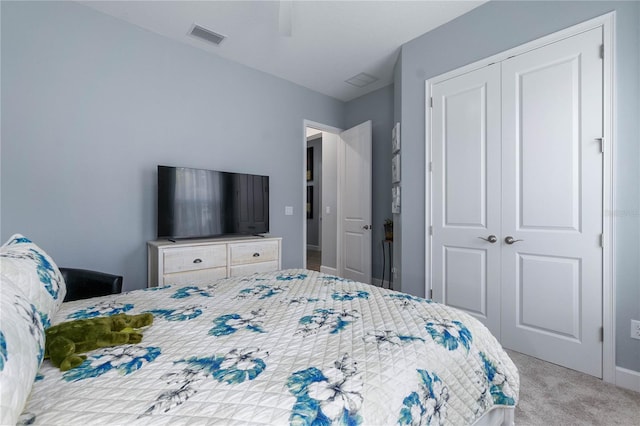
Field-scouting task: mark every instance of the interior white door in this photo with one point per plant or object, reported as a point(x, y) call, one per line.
point(466, 194)
point(355, 190)
point(552, 202)
point(516, 153)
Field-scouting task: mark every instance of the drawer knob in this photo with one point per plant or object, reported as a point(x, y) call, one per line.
point(197, 260)
point(256, 254)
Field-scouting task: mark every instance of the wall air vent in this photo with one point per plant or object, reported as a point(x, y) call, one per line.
point(361, 80)
point(208, 35)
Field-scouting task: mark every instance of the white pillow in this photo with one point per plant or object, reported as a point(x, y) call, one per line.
point(35, 273)
point(22, 341)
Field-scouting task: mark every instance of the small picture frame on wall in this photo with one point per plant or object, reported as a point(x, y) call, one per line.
point(310, 163)
point(395, 138)
point(395, 199)
point(310, 202)
point(395, 168)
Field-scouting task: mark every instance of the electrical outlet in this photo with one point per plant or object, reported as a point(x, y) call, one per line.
point(635, 329)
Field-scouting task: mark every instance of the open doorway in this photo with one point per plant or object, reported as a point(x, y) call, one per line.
point(343, 205)
point(313, 199)
point(321, 199)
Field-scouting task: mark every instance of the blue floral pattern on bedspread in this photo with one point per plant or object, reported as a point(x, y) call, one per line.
point(105, 308)
point(185, 292)
point(234, 367)
point(322, 319)
point(499, 387)
point(428, 404)
point(329, 396)
point(449, 334)
point(3, 350)
point(123, 359)
point(229, 324)
point(293, 347)
point(261, 291)
point(48, 275)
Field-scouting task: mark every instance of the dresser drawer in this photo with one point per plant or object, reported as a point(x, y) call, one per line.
point(199, 277)
point(253, 268)
point(181, 259)
point(254, 252)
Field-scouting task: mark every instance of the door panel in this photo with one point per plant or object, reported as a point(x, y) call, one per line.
point(355, 184)
point(539, 277)
point(466, 193)
point(464, 157)
point(552, 202)
point(466, 287)
point(549, 140)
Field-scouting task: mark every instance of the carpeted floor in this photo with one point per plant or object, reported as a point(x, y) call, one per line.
point(553, 395)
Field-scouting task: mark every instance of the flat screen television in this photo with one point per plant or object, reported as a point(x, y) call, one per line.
point(197, 203)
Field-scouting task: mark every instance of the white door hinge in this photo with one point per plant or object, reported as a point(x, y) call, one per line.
point(431, 102)
point(601, 143)
point(430, 166)
point(430, 293)
point(602, 51)
point(602, 240)
point(430, 229)
point(601, 334)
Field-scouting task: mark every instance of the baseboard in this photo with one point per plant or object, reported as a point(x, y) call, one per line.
point(327, 270)
point(313, 248)
point(628, 379)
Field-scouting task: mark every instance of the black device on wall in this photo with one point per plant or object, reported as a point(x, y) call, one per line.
point(198, 203)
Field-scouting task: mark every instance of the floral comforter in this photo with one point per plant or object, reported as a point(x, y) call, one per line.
point(289, 347)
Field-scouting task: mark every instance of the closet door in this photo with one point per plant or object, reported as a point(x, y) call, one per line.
point(552, 203)
point(466, 194)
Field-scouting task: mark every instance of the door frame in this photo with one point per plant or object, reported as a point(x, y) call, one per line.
point(340, 160)
point(607, 23)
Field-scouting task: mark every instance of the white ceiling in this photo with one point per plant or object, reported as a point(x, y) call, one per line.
point(316, 44)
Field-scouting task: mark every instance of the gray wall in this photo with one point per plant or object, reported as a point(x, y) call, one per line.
point(490, 29)
point(377, 106)
point(90, 106)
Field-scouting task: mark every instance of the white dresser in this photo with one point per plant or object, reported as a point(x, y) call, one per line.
point(204, 261)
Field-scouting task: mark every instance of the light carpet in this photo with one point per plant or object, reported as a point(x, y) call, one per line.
point(554, 395)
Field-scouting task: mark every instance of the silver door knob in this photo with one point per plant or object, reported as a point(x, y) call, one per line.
point(491, 238)
point(510, 240)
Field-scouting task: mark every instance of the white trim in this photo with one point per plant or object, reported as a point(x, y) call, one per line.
point(428, 174)
point(628, 379)
point(609, 375)
point(325, 128)
point(607, 22)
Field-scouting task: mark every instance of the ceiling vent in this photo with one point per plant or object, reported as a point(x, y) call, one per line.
point(361, 80)
point(208, 35)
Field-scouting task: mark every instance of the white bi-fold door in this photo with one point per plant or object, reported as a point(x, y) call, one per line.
point(517, 199)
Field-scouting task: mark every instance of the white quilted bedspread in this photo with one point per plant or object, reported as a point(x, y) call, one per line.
point(289, 347)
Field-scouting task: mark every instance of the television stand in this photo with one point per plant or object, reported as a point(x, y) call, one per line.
point(204, 261)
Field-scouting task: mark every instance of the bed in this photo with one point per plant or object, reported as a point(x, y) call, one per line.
point(288, 347)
